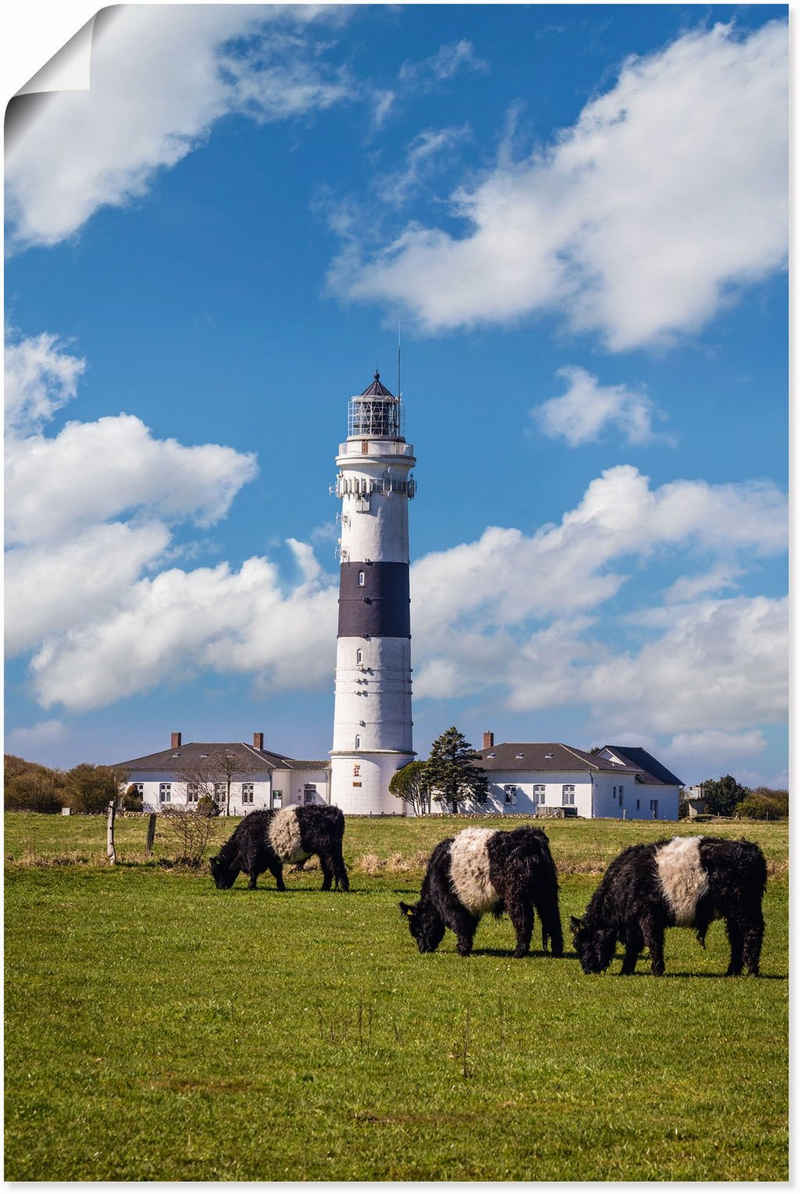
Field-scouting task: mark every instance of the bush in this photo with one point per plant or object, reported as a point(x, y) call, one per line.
point(90, 789)
point(765, 804)
point(32, 787)
point(191, 829)
point(208, 807)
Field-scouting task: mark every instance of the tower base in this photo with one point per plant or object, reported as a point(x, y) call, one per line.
point(360, 781)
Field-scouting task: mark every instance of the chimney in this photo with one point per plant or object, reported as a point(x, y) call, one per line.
point(258, 741)
point(176, 739)
point(488, 739)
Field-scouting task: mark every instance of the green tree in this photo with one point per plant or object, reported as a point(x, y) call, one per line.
point(32, 787)
point(765, 804)
point(410, 784)
point(452, 774)
point(723, 795)
point(89, 788)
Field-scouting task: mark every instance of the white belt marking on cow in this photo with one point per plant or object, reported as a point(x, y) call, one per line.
point(682, 877)
point(469, 870)
point(284, 835)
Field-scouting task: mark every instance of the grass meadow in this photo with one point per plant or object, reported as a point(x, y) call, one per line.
point(157, 1028)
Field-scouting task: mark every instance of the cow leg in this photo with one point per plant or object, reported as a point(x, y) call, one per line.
point(521, 915)
point(753, 936)
point(634, 942)
point(251, 886)
point(340, 871)
point(327, 872)
point(736, 937)
point(276, 869)
point(551, 926)
point(653, 934)
point(463, 925)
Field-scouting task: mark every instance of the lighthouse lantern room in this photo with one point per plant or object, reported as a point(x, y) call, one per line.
point(372, 713)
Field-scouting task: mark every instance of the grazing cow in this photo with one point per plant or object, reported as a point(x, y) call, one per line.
point(263, 841)
point(688, 881)
point(483, 870)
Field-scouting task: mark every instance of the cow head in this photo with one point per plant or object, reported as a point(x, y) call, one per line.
point(594, 945)
point(425, 925)
point(223, 876)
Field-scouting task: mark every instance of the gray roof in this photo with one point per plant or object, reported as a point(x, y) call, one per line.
point(557, 756)
point(200, 756)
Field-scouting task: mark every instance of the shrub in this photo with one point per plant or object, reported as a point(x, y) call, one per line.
point(90, 789)
point(32, 787)
point(765, 804)
point(191, 830)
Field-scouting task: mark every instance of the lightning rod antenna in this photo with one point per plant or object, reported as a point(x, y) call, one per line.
point(399, 395)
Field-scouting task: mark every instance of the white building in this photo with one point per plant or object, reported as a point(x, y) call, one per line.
point(372, 712)
point(551, 778)
point(258, 778)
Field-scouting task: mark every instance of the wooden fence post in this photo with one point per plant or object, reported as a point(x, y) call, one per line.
point(110, 851)
point(151, 834)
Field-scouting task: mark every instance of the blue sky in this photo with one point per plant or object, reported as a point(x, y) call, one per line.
point(577, 217)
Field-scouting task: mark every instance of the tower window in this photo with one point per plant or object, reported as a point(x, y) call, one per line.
point(356, 768)
point(364, 447)
point(358, 742)
point(359, 657)
point(362, 578)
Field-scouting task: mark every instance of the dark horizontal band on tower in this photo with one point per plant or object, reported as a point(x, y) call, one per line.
point(379, 606)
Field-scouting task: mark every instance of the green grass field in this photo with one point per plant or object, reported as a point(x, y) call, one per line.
point(157, 1028)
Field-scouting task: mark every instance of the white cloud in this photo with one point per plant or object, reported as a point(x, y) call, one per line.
point(424, 155)
point(638, 222)
point(25, 737)
point(444, 64)
point(718, 743)
point(40, 377)
point(91, 472)
point(587, 410)
point(68, 158)
point(90, 509)
point(716, 580)
point(179, 623)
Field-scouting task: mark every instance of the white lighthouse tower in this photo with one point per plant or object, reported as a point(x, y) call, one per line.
point(372, 713)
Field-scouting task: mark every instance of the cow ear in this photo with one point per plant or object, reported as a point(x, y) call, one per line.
point(575, 923)
point(406, 909)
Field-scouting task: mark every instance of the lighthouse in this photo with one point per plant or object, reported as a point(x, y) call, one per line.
point(372, 711)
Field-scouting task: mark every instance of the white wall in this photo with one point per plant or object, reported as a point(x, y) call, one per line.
point(525, 781)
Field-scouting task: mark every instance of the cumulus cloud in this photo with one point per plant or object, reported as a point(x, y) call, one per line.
point(67, 158)
point(587, 410)
point(179, 623)
point(91, 472)
point(637, 223)
point(90, 509)
point(40, 377)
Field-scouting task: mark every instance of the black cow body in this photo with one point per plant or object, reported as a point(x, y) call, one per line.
point(264, 841)
point(483, 870)
point(687, 882)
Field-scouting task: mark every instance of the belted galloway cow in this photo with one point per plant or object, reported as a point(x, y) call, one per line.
point(487, 870)
point(687, 881)
point(265, 840)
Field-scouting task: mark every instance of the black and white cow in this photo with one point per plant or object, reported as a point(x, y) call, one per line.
point(263, 841)
point(487, 870)
point(687, 881)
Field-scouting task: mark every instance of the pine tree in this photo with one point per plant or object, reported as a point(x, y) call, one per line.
point(452, 774)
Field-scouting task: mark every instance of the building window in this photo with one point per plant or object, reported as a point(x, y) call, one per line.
point(568, 794)
point(358, 742)
point(309, 793)
point(538, 793)
point(275, 798)
point(614, 793)
point(219, 793)
point(362, 579)
point(364, 447)
point(164, 793)
point(192, 793)
point(654, 809)
point(247, 793)
point(139, 790)
point(510, 791)
point(638, 802)
point(359, 657)
point(620, 795)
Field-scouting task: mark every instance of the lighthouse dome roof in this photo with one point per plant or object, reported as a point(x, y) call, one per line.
point(376, 389)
